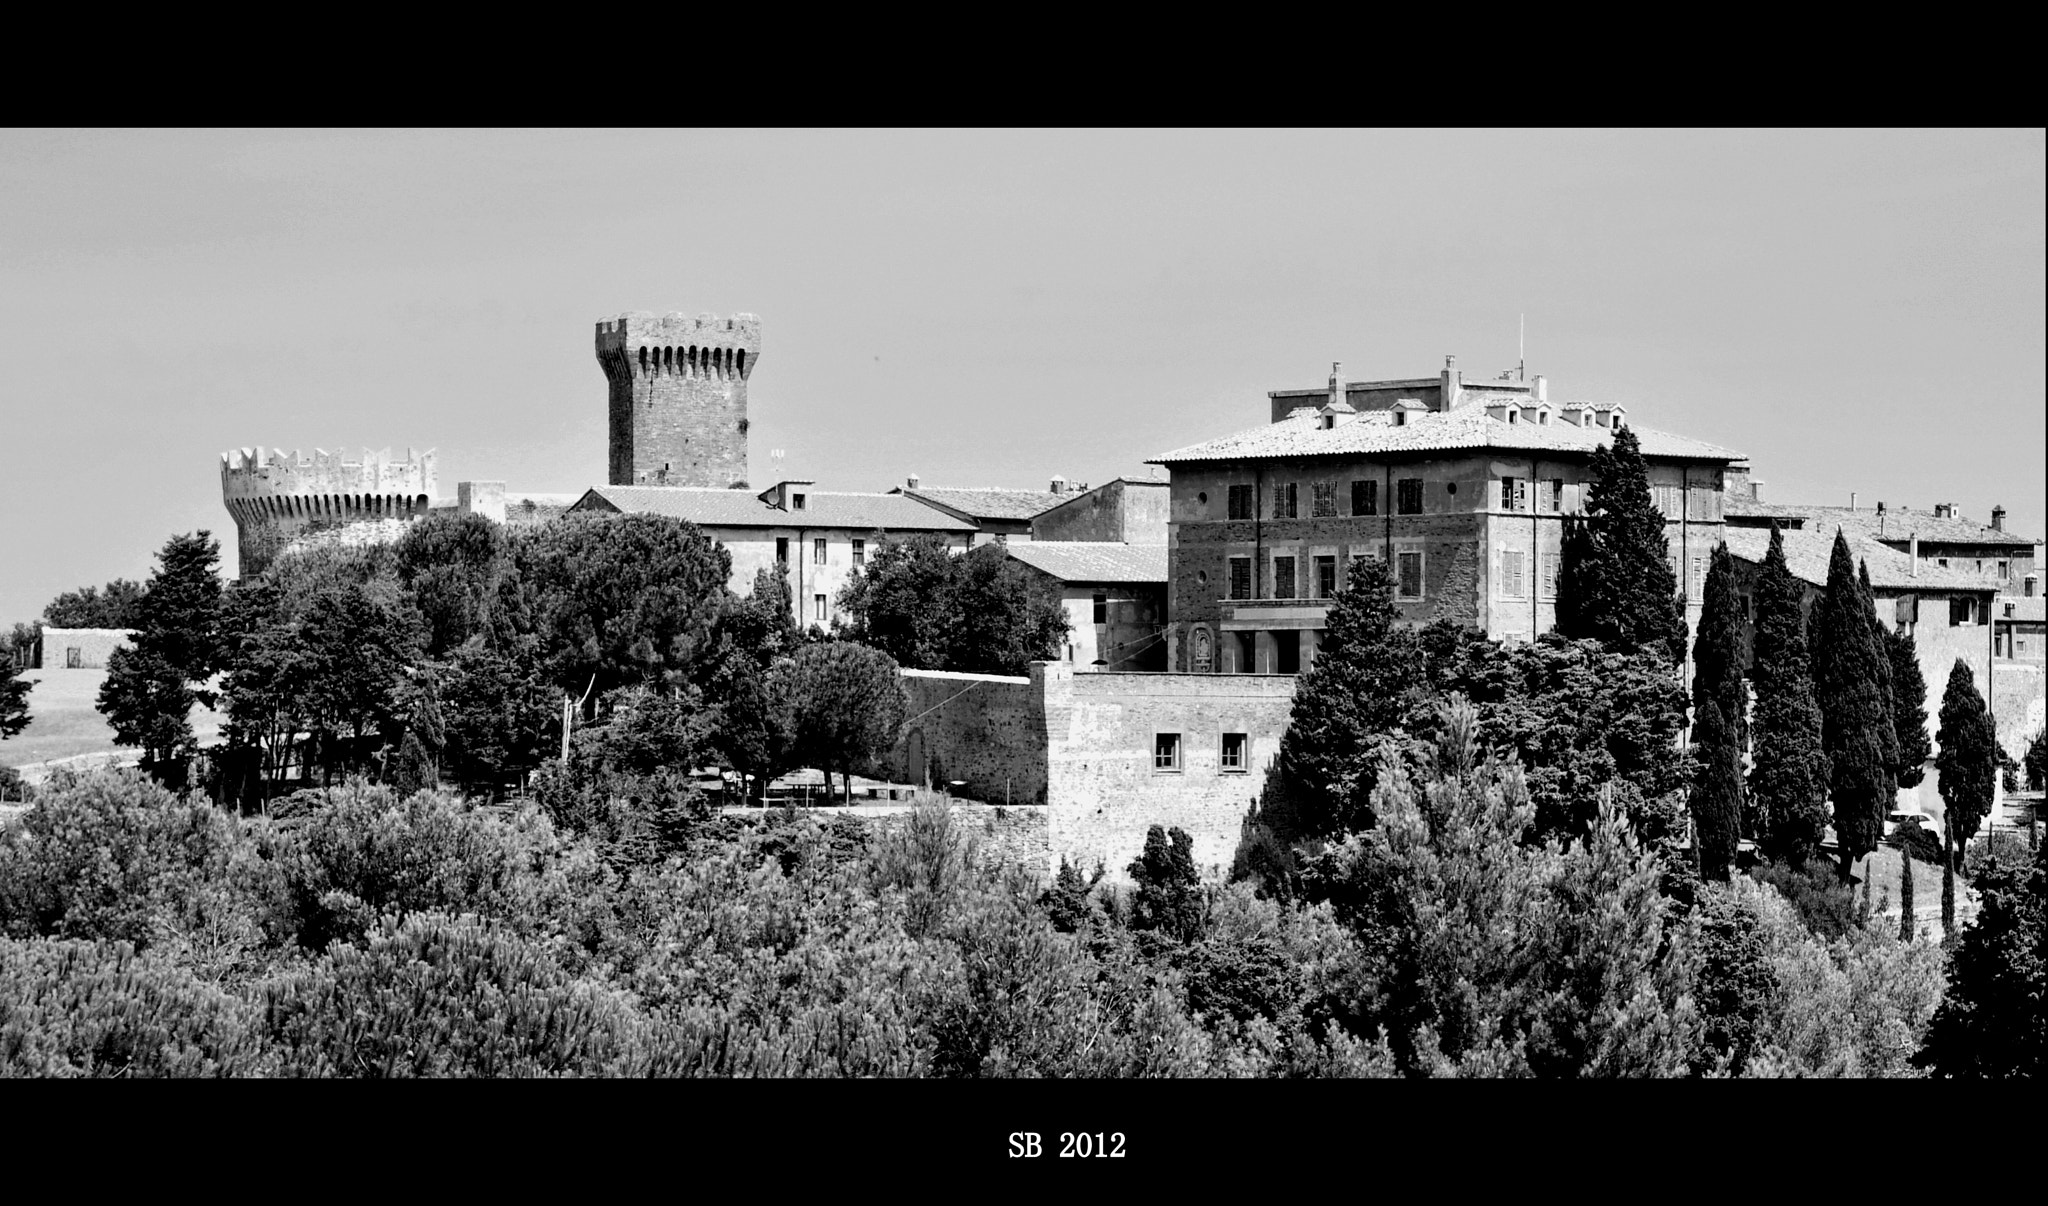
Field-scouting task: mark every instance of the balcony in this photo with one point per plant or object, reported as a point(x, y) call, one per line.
point(1252, 615)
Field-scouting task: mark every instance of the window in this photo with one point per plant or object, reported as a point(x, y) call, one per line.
point(1240, 577)
point(1283, 500)
point(796, 502)
point(1324, 505)
point(73, 658)
point(1942, 562)
point(1698, 590)
point(817, 607)
point(1962, 610)
point(2005, 571)
point(1241, 502)
point(1283, 577)
point(1514, 494)
point(1287, 651)
point(1408, 574)
point(1326, 577)
point(1556, 494)
point(782, 549)
point(1511, 584)
point(1365, 498)
point(1546, 574)
point(860, 553)
point(1235, 756)
point(1101, 609)
point(1247, 653)
point(1408, 496)
point(1166, 751)
point(818, 551)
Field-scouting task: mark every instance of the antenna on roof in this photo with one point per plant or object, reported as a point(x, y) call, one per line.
point(1522, 348)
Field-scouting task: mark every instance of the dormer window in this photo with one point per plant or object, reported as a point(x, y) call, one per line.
point(1514, 416)
point(1400, 418)
point(796, 502)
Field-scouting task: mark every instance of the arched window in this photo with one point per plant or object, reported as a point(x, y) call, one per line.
point(1200, 657)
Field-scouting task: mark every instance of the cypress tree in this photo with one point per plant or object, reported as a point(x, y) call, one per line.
point(1906, 889)
point(1624, 592)
point(1788, 779)
point(1909, 708)
point(1849, 675)
point(1580, 578)
point(1717, 653)
point(1358, 690)
point(1717, 789)
point(1964, 769)
point(1878, 633)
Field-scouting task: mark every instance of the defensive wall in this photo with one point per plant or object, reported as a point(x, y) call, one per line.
point(678, 397)
point(81, 648)
point(1108, 755)
point(291, 500)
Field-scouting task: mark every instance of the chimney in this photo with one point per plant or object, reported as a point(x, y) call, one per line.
point(1059, 485)
point(1852, 500)
point(1336, 382)
point(1542, 394)
point(1913, 554)
point(1880, 517)
point(1944, 510)
point(1449, 385)
point(911, 482)
point(1998, 519)
point(1756, 489)
point(2032, 583)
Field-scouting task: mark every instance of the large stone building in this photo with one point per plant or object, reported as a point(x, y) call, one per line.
point(821, 537)
point(291, 500)
point(1463, 489)
point(1114, 595)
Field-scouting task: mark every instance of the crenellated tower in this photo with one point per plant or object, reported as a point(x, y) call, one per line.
point(678, 397)
point(288, 500)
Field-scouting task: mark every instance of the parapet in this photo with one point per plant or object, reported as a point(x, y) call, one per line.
point(706, 345)
point(248, 473)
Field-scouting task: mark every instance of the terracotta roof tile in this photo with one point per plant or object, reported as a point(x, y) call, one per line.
point(987, 502)
point(1094, 560)
point(1466, 428)
point(741, 509)
point(1808, 551)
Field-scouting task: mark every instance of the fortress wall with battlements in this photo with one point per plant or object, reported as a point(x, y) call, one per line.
point(290, 500)
point(678, 397)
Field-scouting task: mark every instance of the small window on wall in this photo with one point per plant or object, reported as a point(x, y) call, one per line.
point(818, 551)
point(1546, 574)
point(1283, 577)
point(1166, 751)
point(1236, 754)
point(1247, 653)
point(860, 553)
point(1326, 577)
point(1101, 609)
point(1240, 577)
point(1962, 610)
point(1408, 574)
point(796, 502)
point(1365, 498)
point(1514, 494)
point(1283, 500)
point(818, 607)
point(1325, 503)
point(1287, 651)
point(1511, 585)
point(1556, 492)
point(1241, 500)
point(2005, 571)
point(74, 658)
point(782, 549)
point(1408, 496)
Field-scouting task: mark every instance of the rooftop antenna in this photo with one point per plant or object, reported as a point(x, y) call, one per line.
point(1522, 349)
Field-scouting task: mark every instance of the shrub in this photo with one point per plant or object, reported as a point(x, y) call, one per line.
point(76, 1008)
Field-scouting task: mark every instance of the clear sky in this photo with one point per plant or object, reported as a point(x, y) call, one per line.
point(1856, 311)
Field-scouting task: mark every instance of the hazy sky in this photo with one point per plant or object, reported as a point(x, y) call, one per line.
point(1858, 311)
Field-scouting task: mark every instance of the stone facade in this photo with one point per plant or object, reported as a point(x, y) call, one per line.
point(291, 500)
point(1107, 755)
point(82, 648)
point(1133, 512)
point(678, 397)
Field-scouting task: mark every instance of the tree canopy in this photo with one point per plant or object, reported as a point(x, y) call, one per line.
point(1851, 674)
point(1788, 780)
point(977, 613)
point(1617, 586)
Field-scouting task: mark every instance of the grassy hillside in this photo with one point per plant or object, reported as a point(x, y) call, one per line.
point(63, 721)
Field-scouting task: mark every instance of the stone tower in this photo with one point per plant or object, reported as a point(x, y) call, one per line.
point(678, 397)
point(285, 500)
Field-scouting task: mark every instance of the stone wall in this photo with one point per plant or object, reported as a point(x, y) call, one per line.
point(92, 646)
point(1126, 511)
point(1085, 747)
point(678, 397)
point(282, 500)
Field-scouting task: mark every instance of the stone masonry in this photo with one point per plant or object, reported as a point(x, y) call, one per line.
point(678, 395)
point(291, 500)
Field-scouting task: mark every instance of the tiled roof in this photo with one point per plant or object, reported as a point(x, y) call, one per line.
point(1900, 523)
point(986, 502)
point(1094, 560)
point(1807, 553)
point(1468, 428)
point(741, 509)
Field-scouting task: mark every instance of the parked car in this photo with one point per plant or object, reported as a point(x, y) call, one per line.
point(1915, 833)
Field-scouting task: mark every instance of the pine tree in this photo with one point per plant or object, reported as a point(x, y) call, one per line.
point(1906, 917)
point(150, 688)
point(13, 700)
point(1788, 781)
point(1965, 769)
point(1622, 588)
point(1849, 674)
point(1909, 708)
point(1358, 690)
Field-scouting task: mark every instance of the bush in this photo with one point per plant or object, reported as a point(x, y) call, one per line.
point(74, 1008)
